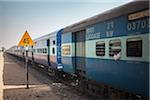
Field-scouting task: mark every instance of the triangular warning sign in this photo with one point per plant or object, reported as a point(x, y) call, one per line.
point(26, 40)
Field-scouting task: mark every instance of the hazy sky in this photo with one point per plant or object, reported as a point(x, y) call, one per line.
point(40, 17)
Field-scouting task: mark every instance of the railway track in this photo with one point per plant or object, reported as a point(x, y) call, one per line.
point(74, 83)
point(63, 79)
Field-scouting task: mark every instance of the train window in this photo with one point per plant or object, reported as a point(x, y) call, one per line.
point(40, 50)
point(53, 50)
point(66, 50)
point(114, 47)
point(54, 42)
point(134, 47)
point(100, 48)
point(45, 50)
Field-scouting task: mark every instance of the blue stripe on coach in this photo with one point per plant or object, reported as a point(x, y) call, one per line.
point(68, 64)
point(125, 75)
point(59, 47)
point(131, 76)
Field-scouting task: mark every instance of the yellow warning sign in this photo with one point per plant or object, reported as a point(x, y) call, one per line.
point(26, 40)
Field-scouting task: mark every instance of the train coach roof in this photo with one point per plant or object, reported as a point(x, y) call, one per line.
point(121, 10)
point(45, 36)
point(42, 37)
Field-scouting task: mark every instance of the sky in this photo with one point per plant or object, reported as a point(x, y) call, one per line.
point(40, 17)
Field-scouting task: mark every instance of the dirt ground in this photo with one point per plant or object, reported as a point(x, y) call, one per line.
point(40, 88)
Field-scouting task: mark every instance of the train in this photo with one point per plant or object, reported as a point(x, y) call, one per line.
point(110, 49)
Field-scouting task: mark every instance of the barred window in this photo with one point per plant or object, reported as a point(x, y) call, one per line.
point(134, 47)
point(100, 48)
point(114, 47)
point(41, 50)
point(45, 50)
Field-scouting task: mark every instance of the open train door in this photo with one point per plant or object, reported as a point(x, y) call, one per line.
point(80, 53)
point(32, 54)
point(48, 52)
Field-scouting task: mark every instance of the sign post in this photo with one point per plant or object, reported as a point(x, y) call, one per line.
point(26, 66)
point(26, 41)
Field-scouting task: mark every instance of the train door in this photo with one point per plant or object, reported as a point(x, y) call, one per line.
point(48, 51)
point(32, 54)
point(80, 52)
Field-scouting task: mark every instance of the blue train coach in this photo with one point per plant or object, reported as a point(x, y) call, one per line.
point(111, 48)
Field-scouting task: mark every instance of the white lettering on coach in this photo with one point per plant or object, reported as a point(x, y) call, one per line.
point(136, 25)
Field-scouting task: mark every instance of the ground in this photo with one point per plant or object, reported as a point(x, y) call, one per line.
point(40, 87)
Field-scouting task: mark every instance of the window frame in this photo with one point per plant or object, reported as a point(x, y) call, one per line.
point(66, 50)
point(45, 50)
point(100, 42)
point(131, 40)
point(114, 49)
